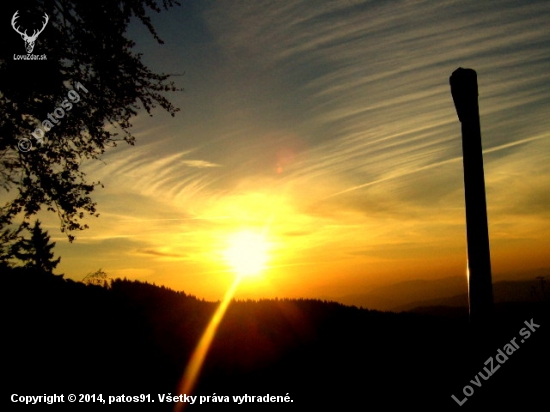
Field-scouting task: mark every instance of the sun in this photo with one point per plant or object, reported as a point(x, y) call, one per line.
point(247, 253)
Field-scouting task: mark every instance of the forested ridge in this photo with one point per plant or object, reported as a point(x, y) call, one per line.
point(130, 337)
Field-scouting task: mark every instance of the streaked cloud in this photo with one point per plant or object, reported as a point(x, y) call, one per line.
point(332, 123)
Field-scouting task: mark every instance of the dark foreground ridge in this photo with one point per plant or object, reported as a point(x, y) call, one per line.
point(135, 338)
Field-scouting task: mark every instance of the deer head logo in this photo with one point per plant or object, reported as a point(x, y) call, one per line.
point(29, 40)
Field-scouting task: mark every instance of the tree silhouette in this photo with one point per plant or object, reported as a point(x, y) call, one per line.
point(71, 106)
point(98, 278)
point(36, 252)
point(7, 237)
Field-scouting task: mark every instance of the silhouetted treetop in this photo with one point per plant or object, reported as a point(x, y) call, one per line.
point(36, 253)
point(56, 111)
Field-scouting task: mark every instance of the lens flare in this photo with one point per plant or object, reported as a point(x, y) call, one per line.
point(196, 361)
point(247, 255)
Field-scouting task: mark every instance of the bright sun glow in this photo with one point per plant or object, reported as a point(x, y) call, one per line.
point(247, 253)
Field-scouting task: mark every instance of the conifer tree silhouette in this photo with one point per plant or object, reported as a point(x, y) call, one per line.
point(36, 252)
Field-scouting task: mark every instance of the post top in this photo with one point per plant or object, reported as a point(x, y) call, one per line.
point(464, 91)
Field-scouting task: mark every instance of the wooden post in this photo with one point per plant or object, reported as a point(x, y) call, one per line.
point(480, 288)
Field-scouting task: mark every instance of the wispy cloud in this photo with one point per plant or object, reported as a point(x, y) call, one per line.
point(334, 119)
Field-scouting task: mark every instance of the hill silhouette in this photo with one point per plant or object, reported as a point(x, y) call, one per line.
point(136, 338)
point(396, 295)
point(449, 291)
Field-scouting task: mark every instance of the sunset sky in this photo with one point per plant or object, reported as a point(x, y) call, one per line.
point(329, 127)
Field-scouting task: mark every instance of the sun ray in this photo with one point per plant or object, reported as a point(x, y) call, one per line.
point(247, 254)
point(196, 361)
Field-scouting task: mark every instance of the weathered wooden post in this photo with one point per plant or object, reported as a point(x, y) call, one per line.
point(480, 288)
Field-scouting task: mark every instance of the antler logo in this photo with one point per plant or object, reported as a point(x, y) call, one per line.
point(29, 40)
